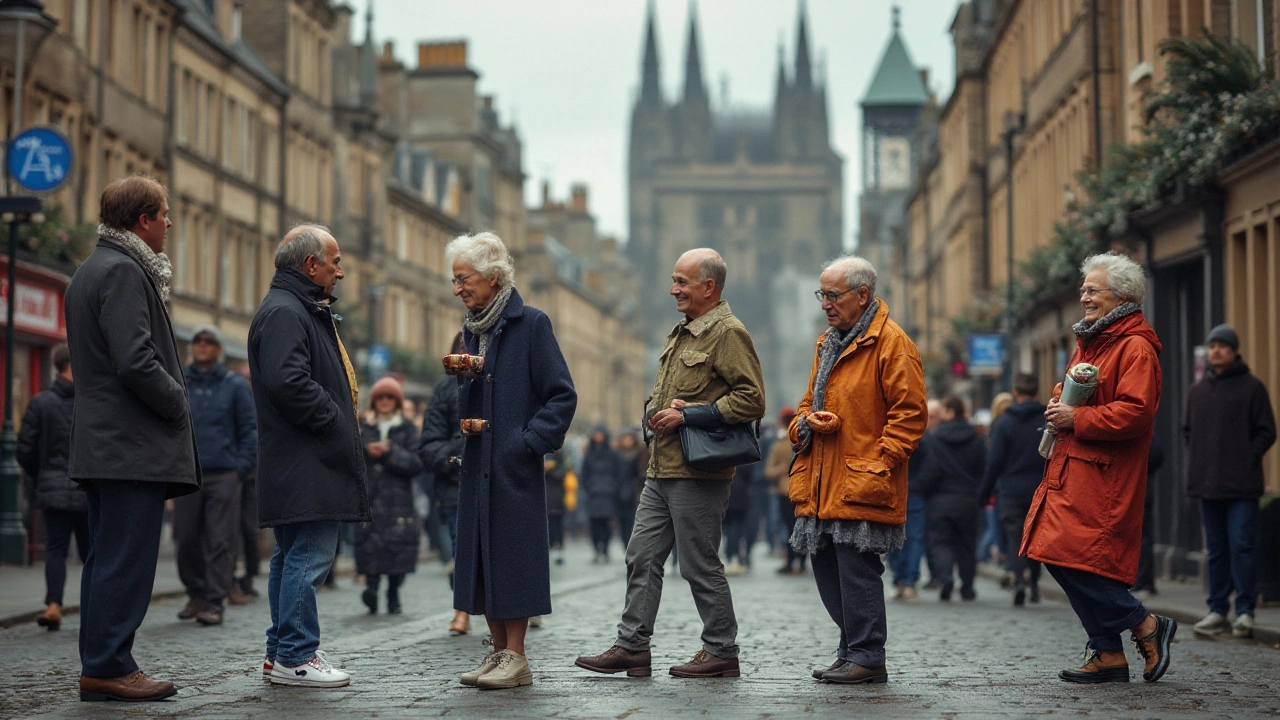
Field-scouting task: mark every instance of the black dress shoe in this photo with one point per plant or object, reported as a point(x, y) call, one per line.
point(945, 594)
point(1094, 672)
point(370, 598)
point(818, 672)
point(854, 674)
point(1019, 597)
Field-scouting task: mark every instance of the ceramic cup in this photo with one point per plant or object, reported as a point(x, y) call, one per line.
point(474, 426)
point(463, 364)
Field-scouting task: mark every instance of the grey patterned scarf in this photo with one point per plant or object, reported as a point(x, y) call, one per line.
point(1087, 331)
point(834, 343)
point(481, 322)
point(155, 264)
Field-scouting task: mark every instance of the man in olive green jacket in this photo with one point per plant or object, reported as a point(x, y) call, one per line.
point(708, 372)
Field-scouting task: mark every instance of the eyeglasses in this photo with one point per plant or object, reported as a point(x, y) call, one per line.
point(462, 279)
point(1090, 292)
point(832, 297)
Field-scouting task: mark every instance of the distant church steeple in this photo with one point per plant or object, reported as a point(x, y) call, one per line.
point(804, 70)
point(651, 84)
point(694, 89)
point(368, 66)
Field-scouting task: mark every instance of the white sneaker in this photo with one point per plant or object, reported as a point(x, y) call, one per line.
point(512, 671)
point(734, 568)
point(490, 662)
point(535, 621)
point(316, 672)
point(1243, 626)
point(1212, 624)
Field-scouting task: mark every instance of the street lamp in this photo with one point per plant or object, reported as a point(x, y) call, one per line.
point(23, 28)
point(1013, 124)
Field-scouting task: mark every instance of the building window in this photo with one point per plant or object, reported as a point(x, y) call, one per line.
point(249, 274)
point(178, 255)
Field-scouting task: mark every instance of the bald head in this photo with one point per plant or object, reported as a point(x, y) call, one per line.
point(697, 281)
point(312, 251)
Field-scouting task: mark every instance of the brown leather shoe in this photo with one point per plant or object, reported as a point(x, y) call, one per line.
point(1096, 671)
point(706, 665)
point(130, 688)
point(617, 659)
point(854, 674)
point(1155, 647)
point(52, 617)
point(236, 596)
point(209, 616)
point(191, 609)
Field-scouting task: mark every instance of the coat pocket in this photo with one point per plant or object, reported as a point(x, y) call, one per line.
point(799, 480)
point(694, 373)
point(1072, 458)
point(867, 482)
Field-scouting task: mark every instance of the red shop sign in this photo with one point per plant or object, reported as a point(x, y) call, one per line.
point(38, 309)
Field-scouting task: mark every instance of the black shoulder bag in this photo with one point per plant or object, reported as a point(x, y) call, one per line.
point(709, 444)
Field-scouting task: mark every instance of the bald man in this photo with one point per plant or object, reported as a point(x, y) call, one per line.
point(310, 459)
point(709, 374)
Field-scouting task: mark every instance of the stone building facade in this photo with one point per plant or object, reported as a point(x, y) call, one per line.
point(762, 186)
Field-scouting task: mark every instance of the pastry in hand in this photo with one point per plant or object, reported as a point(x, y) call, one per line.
point(823, 422)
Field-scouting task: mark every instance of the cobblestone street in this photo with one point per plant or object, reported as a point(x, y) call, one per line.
point(960, 660)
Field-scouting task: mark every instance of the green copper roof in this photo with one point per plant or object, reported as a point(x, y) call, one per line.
point(897, 81)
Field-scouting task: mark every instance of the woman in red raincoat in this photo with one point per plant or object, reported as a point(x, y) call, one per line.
point(1085, 522)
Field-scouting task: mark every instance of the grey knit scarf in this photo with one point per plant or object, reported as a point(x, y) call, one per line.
point(481, 322)
point(155, 264)
point(834, 343)
point(1087, 331)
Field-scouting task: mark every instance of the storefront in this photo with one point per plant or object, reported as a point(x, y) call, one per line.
point(39, 325)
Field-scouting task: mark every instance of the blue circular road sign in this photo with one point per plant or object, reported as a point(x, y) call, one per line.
point(40, 159)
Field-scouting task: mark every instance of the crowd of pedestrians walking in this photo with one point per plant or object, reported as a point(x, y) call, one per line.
point(864, 470)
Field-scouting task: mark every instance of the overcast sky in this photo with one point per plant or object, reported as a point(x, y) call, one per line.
point(567, 70)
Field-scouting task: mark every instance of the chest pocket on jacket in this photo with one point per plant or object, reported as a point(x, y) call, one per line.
point(694, 372)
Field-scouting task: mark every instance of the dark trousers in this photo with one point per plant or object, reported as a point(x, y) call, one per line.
point(394, 581)
point(600, 532)
point(555, 530)
point(1230, 529)
point(1105, 607)
point(787, 510)
point(248, 543)
point(735, 535)
point(850, 586)
point(59, 527)
point(952, 541)
point(449, 515)
point(115, 587)
point(205, 525)
point(1013, 515)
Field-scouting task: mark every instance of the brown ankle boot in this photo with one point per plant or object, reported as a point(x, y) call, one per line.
point(52, 617)
point(1155, 647)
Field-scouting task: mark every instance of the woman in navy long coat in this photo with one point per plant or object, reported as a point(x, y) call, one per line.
point(526, 396)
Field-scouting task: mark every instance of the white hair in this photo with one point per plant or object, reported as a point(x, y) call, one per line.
point(1125, 277)
point(857, 272)
point(485, 253)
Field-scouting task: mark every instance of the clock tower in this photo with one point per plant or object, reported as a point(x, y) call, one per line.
point(891, 115)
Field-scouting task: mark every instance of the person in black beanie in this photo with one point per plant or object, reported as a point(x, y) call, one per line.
point(1228, 426)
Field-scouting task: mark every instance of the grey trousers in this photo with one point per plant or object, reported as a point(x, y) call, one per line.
point(685, 514)
point(205, 526)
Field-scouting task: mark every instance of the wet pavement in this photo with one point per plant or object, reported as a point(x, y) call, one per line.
point(981, 659)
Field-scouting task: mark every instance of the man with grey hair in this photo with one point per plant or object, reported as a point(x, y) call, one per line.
point(708, 374)
point(310, 459)
point(854, 432)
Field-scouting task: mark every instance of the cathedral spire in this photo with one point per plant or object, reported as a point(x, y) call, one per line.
point(804, 71)
point(693, 86)
point(651, 85)
point(368, 69)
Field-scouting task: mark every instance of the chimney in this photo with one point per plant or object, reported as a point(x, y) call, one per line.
point(446, 54)
point(579, 202)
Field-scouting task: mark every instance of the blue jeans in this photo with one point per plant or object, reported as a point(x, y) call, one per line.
point(905, 563)
point(1230, 527)
point(1105, 607)
point(303, 556)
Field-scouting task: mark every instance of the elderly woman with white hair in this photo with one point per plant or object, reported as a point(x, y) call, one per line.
point(1085, 521)
point(525, 396)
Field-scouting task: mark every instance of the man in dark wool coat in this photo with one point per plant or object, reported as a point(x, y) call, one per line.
point(310, 459)
point(131, 441)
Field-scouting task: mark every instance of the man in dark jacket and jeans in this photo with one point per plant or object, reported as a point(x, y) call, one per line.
point(949, 478)
point(205, 524)
point(43, 444)
point(1228, 426)
point(310, 459)
point(1014, 469)
point(131, 441)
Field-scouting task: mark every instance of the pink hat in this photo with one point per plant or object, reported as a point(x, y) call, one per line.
point(387, 386)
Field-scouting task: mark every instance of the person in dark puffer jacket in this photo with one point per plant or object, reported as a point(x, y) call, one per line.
point(955, 457)
point(43, 444)
point(1014, 470)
